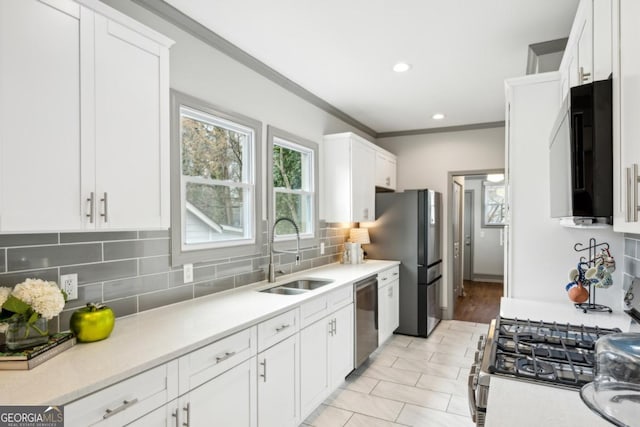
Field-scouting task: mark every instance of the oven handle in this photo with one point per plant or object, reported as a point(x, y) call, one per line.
point(473, 409)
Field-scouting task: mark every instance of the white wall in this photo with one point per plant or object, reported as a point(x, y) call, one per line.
point(424, 161)
point(541, 250)
point(204, 72)
point(488, 251)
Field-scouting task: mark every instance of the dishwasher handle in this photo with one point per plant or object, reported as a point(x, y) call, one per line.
point(373, 280)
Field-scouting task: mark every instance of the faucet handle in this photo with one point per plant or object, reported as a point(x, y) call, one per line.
point(297, 259)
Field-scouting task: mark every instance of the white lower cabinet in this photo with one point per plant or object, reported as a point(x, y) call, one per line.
point(228, 400)
point(127, 400)
point(279, 384)
point(388, 303)
point(166, 415)
point(326, 355)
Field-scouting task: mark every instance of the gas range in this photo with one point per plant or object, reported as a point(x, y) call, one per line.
point(561, 355)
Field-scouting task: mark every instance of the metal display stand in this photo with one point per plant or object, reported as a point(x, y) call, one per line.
point(591, 262)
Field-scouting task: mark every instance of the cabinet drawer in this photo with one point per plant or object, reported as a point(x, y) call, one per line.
point(210, 361)
point(277, 328)
point(314, 310)
point(127, 400)
point(387, 276)
point(340, 297)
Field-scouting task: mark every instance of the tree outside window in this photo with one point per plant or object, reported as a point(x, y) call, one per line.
point(217, 182)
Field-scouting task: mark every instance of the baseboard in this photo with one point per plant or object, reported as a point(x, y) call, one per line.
point(492, 278)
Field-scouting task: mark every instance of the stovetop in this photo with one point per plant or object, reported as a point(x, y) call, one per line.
point(552, 353)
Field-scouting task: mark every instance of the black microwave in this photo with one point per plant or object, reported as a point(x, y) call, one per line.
point(581, 155)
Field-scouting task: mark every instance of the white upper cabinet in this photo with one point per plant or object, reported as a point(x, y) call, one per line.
point(385, 170)
point(626, 109)
point(349, 178)
point(39, 115)
point(588, 53)
point(83, 118)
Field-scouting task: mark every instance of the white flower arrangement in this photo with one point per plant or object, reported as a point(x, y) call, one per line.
point(30, 300)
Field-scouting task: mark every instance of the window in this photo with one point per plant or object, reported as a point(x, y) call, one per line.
point(216, 174)
point(293, 194)
point(493, 204)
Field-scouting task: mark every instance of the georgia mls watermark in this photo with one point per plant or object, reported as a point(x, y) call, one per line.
point(31, 416)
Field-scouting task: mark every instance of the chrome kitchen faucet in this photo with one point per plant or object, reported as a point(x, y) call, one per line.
point(272, 271)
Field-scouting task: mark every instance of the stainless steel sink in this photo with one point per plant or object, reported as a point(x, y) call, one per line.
point(284, 291)
point(307, 283)
point(297, 287)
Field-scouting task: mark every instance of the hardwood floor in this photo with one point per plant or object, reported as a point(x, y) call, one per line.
point(481, 302)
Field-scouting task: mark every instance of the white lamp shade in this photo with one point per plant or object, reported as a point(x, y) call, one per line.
point(359, 235)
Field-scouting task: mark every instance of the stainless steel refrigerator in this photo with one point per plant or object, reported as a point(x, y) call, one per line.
point(408, 229)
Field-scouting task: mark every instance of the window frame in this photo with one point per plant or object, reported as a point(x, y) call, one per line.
point(300, 144)
point(485, 223)
point(180, 252)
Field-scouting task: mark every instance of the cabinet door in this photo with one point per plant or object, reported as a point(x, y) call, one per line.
point(585, 51)
point(384, 314)
point(314, 365)
point(394, 302)
point(131, 148)
point(626, 108)
point(228, 400)
point(341, 346)
point(279, 384)
point(363, 182)
point(39, 116)
point(392, 164)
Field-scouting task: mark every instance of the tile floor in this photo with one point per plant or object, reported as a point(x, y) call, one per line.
point(408, 382)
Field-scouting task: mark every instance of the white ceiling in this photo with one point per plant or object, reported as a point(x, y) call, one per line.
point(343, 51)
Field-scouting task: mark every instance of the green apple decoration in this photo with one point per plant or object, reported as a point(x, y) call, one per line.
point(92, 323)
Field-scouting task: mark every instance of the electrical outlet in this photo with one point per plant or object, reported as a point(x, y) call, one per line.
point(188, 273)
point(322, 248)
point(69, 284)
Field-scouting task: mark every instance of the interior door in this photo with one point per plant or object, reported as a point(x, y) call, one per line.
point(468, 235)
point(457, 238)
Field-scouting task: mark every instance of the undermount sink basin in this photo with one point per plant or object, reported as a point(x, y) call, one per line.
point(307, 284)
point(297, 287)
point(284, 291)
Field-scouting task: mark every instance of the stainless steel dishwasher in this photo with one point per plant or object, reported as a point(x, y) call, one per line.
point(365, 295)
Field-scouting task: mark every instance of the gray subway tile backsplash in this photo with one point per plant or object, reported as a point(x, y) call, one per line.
point(102, 271)
point(135, 249)
point(11, 279)
point(159, 299)
point(135, 286)
point(131, 270)
point(8, 240)
point(97, 236)
point(27, 258)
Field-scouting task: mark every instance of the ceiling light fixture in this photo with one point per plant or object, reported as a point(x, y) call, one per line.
point(401, 67)
point(438, 116)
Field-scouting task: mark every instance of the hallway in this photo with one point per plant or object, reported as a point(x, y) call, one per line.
point(481, 302)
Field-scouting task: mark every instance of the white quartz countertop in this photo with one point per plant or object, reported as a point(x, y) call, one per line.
point(144, 340)
point(522, 403)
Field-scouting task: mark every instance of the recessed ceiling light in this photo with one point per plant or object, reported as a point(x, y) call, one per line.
point(438, 116)
point(401, 67)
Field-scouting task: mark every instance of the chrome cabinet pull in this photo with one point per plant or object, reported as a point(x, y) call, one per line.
point(225, 356)
point(632, 194)
point(331, 327)
point(584, 76)
point(335, 327)
point(264, 370)
point(106, 208)
point(366, 213)
point(282, 328)
point(187, 409)
point(388, 181)
point(92, 207)
point(125, 404)
point(390, 293)
point(175, 415)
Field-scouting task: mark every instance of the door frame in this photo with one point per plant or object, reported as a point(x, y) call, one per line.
point(451, 175)
point(468, 255)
